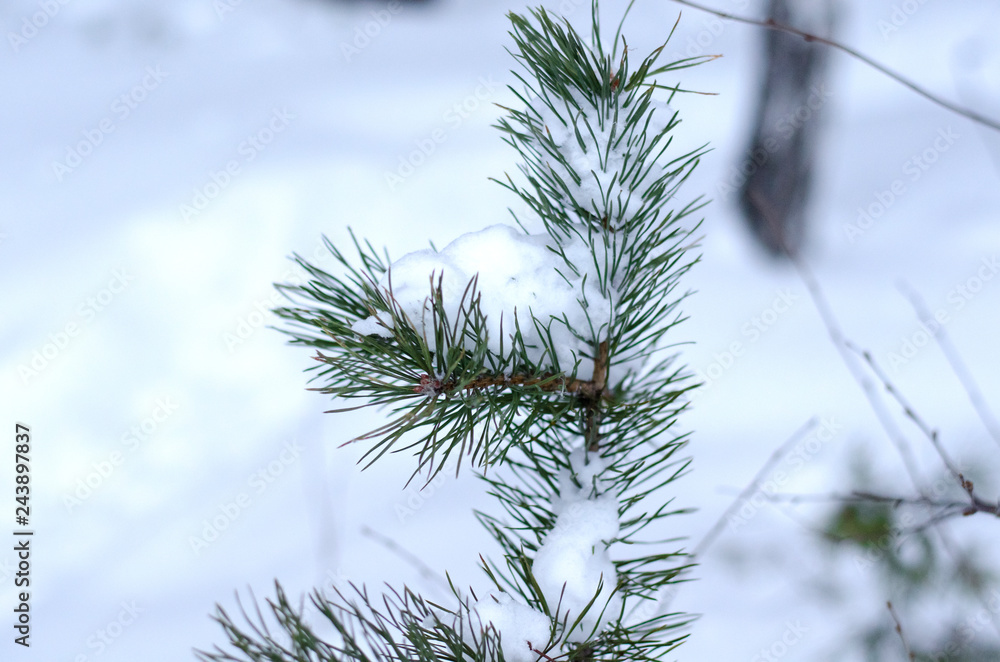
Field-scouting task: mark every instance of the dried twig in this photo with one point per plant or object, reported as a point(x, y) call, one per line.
point(771, 24)
point(910, 412)
point(954, 360)
point(976, 504)
point(888, 424)
point(425, 570)
point(840, 342)
point(754, 485)
point(899, 630)
point(946, 508)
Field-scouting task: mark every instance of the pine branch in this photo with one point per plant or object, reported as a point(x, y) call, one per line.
point(571, 404)
point(548, 382)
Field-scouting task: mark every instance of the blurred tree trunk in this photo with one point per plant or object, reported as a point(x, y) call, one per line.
point(775, 194)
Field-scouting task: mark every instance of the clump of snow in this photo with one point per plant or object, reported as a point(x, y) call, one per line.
point(589, 470)
point(572, 568)
point(522, 630)
point(573, 561)
point(371, 326)
point(584, 144)
point(516, 274)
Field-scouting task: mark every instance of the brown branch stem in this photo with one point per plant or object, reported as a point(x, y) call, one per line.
point(592, 401)
point(910, 655)
point(547, 382)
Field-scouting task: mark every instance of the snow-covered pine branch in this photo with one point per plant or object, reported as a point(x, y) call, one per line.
point(533, 355)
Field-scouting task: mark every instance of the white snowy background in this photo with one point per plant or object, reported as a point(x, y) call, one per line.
point(134, 333)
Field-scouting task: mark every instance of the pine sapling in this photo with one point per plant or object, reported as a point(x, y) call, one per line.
point(542, 360)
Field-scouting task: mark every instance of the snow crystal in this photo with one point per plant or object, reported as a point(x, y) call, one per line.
point(520, 627)
point(573, 559)
point(516, 274)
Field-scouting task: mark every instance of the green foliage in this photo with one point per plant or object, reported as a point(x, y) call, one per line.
point(397, 372)
point(405, 628)
point(896, 544)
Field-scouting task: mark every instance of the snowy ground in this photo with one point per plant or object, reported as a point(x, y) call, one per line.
point(161, 160)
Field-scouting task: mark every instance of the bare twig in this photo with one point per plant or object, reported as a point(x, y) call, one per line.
point(910, 412)
point(771, 24)
point(954, 360)
point(946, 508)
point(899, 630)
point(548, 382)
point(888, 424)
point(754, 485)
point(976, 504)
point(425, 570)
point(666, 597)
point(826, 314)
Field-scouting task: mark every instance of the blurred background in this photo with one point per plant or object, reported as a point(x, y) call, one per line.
point(161, 161)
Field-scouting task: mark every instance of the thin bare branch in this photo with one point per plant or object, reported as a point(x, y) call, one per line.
point(976, 504)
point(954, 359)
point(881, 412)
point(910, 412)
point(771, 24)
point(425, 570)
point(947, 508)
point(899, 630)
point(753, 486)
point(840, 342)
